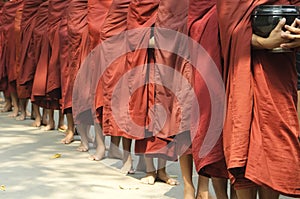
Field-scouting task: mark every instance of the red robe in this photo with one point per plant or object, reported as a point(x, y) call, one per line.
point(41, 43)
point(202, 26)
point(114, 24)
point(261, 129)
point(7, 65)
point(28, 63)
point(13, 60)
point(83, 92)
point(3, 85)
point(78, 38)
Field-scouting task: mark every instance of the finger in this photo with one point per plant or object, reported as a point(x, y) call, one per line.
point(290, 45)
point(289, 36)
point(280, 24)
point(297, 21)
point(293, 30)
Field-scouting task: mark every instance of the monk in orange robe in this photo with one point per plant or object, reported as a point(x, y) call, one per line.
point(13, 56)
point(261, 130)
point(27, 65)
point(82, 102)
point(77, 37)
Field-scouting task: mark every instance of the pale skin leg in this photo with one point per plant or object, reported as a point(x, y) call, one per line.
point(150, 172)
point(220, 187)
point(186, 165)
point(22, 109)
point(51, 124)
point(202, 192)
point(100, 149)
point(114, 151)
point(38, 118)
point(127, 158)
point(83, 130)
point(71, 128)
point(7, 106)
point(61, 122)
point(249, 193)
point(15, 101)
point(162, 173)
point(267, 193)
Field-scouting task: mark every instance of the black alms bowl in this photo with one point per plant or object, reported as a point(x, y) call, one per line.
point(266, 17)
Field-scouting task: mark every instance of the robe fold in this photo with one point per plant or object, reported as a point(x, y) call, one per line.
point(202, 27)
point(261, 128)
point(28, 61)
point(78, 42)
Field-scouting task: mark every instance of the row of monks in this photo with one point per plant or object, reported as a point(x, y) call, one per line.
point(178, 77)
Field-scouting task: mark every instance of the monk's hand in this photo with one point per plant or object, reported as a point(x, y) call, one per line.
point(292, 34)
point(274, 40)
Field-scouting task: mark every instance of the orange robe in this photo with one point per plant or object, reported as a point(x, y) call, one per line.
point(78, 42)
point(41, 43)
point(13, 60)
point(8, 55)
point(202, 26)
point(27, 65)
point(3, 84)
point(83, 92)
point(114, 24)
point(261, 129)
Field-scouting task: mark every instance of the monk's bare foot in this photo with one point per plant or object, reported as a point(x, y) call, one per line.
point(114, 152)
point(21, 117)
point(99, 154)
point(83, 147)
point(50, 126)
point(62, 128)
point(149, 178)
point(141, 166)
point(69, 138)
point(127, 166)
point(203, 195)
point(189, 192)
point(164, 177)
point(6, 108)
point(14, 114)
point(37, 122)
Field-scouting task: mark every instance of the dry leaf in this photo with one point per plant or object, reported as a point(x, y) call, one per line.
point(58, 155)
point(128, 187)
point(2, 187)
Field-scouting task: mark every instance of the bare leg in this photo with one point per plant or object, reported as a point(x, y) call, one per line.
point(220, 187)
point(22, 109)
point(83, 130)
point(186, 165)
point(38, 118)
point(141, 166)
point(100, 150)
point(232, 193)
point(70, 132)
point(45, 117)
point(15, 101)
point(267, 193)
point(61, 122)
point(202, 192)
point(127, 158)
point(51, 124)
point(114, 151)
point(7, 106)
point(162, 174)
point(249, 193)
point(150, 172)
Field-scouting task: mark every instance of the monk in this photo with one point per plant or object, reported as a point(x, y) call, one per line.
point(8, 55)
point(82, 92)
point(261, 128)
point(27, 65)
point(114, 24)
